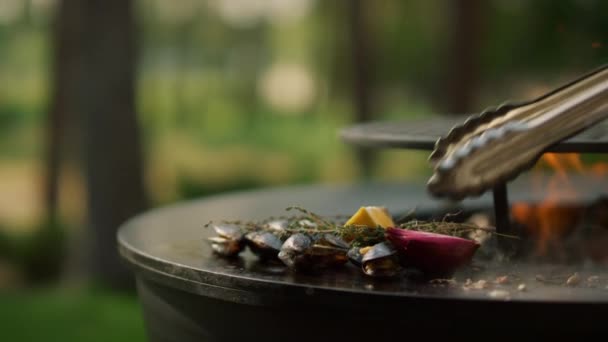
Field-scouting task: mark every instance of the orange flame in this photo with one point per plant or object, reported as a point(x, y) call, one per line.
point(559, 212)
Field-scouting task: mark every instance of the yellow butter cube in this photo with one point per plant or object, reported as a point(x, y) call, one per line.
point(372, 217)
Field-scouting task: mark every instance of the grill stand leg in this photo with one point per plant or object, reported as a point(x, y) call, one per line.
point(501, 213)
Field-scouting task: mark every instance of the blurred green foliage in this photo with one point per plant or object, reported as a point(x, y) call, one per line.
point(39, 253)
point(192, 188)
point(42, 253)
point(199, 73)
point(70, 315)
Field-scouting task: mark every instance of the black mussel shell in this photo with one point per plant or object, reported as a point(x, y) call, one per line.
point(380, 261)
point(226, 247)
point(263, 244)
point(322, 256)
point(229, 231)
point(318, 257)
point(297, 243)
point(333, 241)
point(299, 251)
point(229, 241)
point(355, 256)
point(379, 250)
point(294, 247)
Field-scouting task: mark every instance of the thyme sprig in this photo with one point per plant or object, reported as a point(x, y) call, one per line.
point(450, 228)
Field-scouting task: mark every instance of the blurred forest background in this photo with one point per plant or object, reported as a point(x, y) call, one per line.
point(111, 107)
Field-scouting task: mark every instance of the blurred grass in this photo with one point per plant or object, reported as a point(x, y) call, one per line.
point(70, 315)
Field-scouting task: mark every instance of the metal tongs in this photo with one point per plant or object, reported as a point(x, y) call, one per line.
point(494, 147)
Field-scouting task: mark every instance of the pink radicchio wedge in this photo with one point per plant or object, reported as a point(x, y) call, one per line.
point(431, 253)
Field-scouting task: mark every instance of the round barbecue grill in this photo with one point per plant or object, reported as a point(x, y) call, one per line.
point(188, 294)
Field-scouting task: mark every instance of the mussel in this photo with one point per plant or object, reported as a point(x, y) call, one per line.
point(293, 248)
point(380, 261)
point(355, 254)
point(304, 252)
point(229, 240)
point(264, 244)
point(332, 241)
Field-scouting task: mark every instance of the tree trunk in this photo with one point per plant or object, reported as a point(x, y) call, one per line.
point(64, 73)
point(362, 72)
point(101, 56)
point(462, 74)
point(56, 117)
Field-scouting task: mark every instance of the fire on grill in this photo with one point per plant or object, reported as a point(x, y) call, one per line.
point(562, 226)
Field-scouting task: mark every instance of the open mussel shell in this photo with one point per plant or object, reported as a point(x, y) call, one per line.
point(356, 253)
point(355, 256)
point(229, 240)
point(380, 261)
point(226, 247)
point(264, 244)
point(229, 231)
point(303, 252)
point(321, 256)
point(330, 240)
